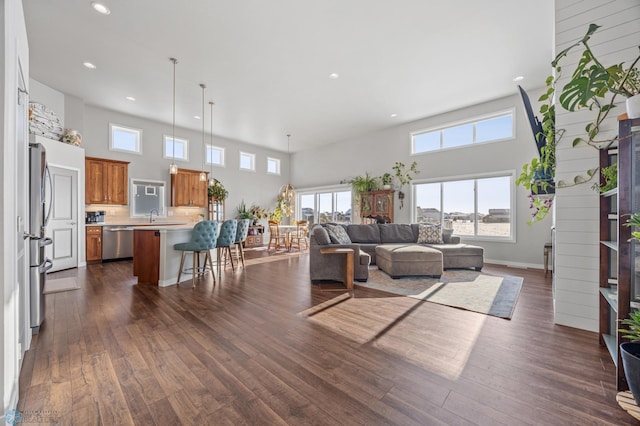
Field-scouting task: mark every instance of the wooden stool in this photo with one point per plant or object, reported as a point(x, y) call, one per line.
point(548, 249)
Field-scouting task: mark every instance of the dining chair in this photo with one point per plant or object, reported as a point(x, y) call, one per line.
point(226, 239)
point(203, 239)
point(241, 236)
point(300, 235)
point(279, 240)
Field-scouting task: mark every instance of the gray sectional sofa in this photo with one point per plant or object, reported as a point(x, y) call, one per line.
point(399, 253)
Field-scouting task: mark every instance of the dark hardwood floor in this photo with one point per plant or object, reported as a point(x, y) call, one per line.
point(263, 346)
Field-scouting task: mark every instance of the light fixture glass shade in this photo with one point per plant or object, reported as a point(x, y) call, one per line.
point(287, 192)
point(173, 169)
point(203, 176)
point(212, 181)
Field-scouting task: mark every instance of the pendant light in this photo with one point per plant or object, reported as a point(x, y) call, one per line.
point(203, 174)
point(287, 192)
point(212, 181)
point(173, 167)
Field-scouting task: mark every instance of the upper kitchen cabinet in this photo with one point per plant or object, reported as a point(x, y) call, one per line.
point(187, 190)
point(106, 181)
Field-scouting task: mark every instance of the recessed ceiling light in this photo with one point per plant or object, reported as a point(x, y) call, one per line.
point(334, 75)
point(100, 8)
point(394, 115)
point(130, 98)
point(89, 65)
point(197, 117)
point(518, 78)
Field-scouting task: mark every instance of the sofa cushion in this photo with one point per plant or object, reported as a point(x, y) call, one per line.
point(368, 234)
point(429, 234)
point(396, 233)
point(337, 234)
point(321, 235)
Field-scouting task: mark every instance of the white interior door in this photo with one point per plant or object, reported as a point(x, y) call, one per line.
point(63, 223)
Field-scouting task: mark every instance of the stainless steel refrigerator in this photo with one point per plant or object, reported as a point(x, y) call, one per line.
point(40, 202)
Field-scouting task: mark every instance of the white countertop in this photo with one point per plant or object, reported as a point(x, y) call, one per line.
point(142, 224)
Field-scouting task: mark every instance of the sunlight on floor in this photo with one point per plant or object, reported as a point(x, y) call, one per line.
point(394, 325)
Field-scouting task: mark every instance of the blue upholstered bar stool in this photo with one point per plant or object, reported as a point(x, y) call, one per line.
point(203, 239)
point(226, 239)
point(241, 236)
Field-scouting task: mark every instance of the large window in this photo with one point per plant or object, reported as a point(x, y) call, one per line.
point(491, 128)
point(177, 148)
point(125, 139)
point(324, 206)
point(480, 207)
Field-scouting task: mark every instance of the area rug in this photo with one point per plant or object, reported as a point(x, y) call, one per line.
point(464, 289)
point(60, 284)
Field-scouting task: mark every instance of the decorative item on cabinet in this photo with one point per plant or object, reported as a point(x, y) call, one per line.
point(187, 190)
point(255, 237)
point(106, 181)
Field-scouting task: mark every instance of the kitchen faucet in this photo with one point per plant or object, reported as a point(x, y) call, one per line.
point(151, 215)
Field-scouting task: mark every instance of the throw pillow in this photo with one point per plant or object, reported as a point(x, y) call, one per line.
point(338, 234)
point(322, 236)
point(429, 234)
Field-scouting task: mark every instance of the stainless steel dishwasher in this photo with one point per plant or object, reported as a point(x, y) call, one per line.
point(117, 242)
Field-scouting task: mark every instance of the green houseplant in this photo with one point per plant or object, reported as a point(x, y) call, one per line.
point(242, 212)
point(387, 180)
point(217, 191)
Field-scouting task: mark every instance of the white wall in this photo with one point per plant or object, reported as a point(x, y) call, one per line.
point(14, 47)
point(377, 152)
point(252, 187)
point(577, 209)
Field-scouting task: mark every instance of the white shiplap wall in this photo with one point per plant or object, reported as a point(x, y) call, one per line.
point(577, 208)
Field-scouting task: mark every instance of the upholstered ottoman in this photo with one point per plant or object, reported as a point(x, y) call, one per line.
point(400, 260)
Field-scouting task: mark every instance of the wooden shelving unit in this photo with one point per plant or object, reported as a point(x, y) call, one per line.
point(618, 254)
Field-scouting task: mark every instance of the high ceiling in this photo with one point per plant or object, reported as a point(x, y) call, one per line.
point(266, 64)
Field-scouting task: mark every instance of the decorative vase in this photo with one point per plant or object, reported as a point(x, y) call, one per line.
point(630, 352)
point(633, 106)
point(386, 186)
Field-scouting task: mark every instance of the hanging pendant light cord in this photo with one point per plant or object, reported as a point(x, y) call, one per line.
point(203, 144)
point(173, 127)
point(211, 104)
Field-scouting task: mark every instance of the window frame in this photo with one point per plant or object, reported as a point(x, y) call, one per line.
point(511, 174)
point(138, 135)
point(277, 162)
point(222, 151)
point(317, 192)
point(185, 142)
point(252, 156)
point(474, 121)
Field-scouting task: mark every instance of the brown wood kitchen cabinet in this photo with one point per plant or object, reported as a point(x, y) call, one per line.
point(94, 243)
point(106, 181)
point(187, 190)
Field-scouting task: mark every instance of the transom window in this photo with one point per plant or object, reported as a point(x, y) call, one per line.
point(180, 145)
point(247, 161)
point(273, 166)
point(491, 128)
point(125, 139)
point(474, 208)
point(215, 155)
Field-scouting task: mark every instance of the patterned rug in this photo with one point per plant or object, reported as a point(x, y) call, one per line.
point(460, 288)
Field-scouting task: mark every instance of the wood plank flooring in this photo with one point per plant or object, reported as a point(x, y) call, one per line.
point(264, 346)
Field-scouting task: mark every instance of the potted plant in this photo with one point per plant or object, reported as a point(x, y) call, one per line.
point(610, 177)
point(590, 85)
point(217, 191)
point(630, 352)
point(404, 176)
point(363, 183)
point(243, 213)
point(259, 213)
point(387, 180)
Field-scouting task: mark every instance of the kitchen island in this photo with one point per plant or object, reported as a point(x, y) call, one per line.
point(154, 259)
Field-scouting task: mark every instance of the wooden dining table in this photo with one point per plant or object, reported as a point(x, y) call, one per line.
point(287, 230)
